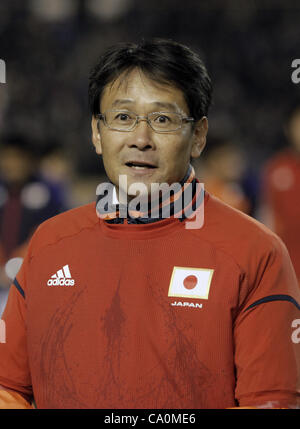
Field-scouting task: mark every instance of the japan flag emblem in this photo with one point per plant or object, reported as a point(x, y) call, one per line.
point(190, 282)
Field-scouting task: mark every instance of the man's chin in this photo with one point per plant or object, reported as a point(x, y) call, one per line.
point(139, 190)
point(134, 186)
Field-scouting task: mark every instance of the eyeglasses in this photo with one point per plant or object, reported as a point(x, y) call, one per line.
point(160, 122)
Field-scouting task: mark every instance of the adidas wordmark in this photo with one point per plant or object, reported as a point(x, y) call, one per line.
point(62, 278)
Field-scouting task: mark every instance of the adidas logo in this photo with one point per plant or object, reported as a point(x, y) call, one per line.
point(61, 278)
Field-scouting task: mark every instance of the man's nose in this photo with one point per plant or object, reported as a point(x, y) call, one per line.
point(141, 136)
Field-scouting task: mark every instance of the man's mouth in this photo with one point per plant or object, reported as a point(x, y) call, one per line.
point(140, 165)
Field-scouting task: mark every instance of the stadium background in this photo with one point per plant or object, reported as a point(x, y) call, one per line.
point(50, 46)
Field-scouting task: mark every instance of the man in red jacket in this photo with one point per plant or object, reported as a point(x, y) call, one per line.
point(118, 305)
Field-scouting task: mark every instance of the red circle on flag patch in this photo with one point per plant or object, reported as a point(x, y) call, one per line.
point(190, 282)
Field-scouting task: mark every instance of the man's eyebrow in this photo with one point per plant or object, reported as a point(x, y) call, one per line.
point(120, 102)
point(158, 104)
point(165, 105)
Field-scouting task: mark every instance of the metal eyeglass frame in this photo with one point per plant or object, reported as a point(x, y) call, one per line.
point(101, 116)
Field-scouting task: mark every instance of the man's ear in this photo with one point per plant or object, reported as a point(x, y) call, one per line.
point(199, 137)
point(96, 135)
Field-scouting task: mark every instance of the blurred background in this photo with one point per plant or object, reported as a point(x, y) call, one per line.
point(47, 161)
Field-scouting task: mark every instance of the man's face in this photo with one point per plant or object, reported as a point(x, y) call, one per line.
point(168, 154)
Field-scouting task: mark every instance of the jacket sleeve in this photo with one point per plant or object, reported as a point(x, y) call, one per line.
point(15, 380)
point(267, 334)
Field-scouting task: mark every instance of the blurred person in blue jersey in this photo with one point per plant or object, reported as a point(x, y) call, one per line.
point(26, 200)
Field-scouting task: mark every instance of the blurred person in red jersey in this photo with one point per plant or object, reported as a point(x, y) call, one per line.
point(280, 196)
point(222, 168)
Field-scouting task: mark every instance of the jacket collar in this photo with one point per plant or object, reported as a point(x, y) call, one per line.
point(176, 204)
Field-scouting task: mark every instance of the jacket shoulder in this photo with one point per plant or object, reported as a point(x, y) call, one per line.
point(236, 233)
point(66, 224)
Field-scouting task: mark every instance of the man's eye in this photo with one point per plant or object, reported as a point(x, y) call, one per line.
point(122, 117)
point(162, 119)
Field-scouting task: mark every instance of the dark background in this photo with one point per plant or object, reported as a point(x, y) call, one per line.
point(49, 47)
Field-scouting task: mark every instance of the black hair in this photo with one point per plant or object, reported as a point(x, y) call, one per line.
point(19, 141)
point(162, 60)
